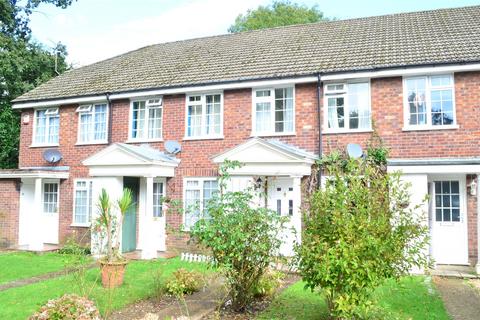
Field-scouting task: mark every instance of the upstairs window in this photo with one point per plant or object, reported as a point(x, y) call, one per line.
point(273, 111)
point(92, 123)
point(147, 119)
point(348, 106)
point(429, 101)
point(197, 194)
point(204, 116)
point(47, 123)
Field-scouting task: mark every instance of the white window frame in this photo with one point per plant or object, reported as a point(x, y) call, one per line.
point(90, 109)
point(146, 119)
point(164, 192)
point(344, 93)
point(48, 112)
point(406, 108)
point(50, 181)
point(271, 99)
point(203, 101)
point(201, 181)
point(88, 182)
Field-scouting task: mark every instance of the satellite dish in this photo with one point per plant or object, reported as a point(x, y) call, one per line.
point(52, 155)
point(354, 150)
point(173, 147)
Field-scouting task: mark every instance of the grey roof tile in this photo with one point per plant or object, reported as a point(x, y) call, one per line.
point(441, 36)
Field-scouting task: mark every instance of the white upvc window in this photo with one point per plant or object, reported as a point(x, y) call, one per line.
point(47, 125)
point(92, 123)
point(158, 196)
point(82, 202)
point(204, 116)
point(429, 102)
point(50, 198)
point(197, 193)
point(273, 111)
point(347, 107)
point(146, 119)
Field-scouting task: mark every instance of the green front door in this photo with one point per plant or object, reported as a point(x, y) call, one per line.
point(129, 227)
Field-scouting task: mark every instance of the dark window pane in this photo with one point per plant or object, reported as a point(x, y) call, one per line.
point(279, 206)
point(353, 123)
point(437, 119)
point(448, 118)
point(438, 214)
point(438, 187)
point(340, 102)
point(456, 201)
point(446, 215)
point(290, 207)
point(438, 201)
point(279, 126)
point(456, 215)
point(446, 201)
point(278, 93)
point(455, 187)
point(446, 187)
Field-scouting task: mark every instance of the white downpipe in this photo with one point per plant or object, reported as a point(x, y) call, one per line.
point(477, 266)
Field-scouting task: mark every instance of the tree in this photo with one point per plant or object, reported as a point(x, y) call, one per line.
point(279, 13)
point(243, 238)
point(360, 229)
point(24, 64)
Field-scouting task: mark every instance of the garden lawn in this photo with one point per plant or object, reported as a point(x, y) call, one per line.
point(19, 303)
point(412, 298)
point(21, 265)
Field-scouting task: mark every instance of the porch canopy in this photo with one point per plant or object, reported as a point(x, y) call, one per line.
point(268, 158)
point(126, 160)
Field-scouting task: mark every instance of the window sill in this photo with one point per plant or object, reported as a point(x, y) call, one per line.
point(144, 140)
point(431, 128)
point(80, 225)
point(204, 138)
point(44, 145)
point(90, 143)
point(272, 134)
point(347, 131)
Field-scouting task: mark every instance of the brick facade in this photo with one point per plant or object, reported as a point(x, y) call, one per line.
point(387, 114)
point(9, 208)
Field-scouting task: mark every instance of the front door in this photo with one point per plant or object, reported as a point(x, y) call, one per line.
point(49, 213)
point(129, 227)
point(448, 221)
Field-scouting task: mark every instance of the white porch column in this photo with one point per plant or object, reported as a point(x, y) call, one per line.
point(297, 218)
point(477, 266)
point(149, 250)
point(36, 241)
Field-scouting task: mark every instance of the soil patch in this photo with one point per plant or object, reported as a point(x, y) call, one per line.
point(461, 299)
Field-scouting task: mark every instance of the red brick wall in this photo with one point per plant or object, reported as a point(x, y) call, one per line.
point(9, 212)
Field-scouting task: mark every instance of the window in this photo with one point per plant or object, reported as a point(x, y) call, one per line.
point(147, 119)
point(157, 199)
point(204, 116)
point(50, 198)
point(429, 101)
point(348, 106)
point(273, 111)
point(83, 204)
point(47, 123)
point(92, 123)
point(447, 201)
point(197, 194)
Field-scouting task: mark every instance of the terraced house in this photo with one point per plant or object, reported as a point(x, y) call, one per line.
point(159, 120)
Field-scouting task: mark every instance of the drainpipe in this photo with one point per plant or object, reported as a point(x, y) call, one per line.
point(477, 266)
point(319, 116)
point(110, 117)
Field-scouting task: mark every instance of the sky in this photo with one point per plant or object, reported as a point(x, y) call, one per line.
point(95, 30)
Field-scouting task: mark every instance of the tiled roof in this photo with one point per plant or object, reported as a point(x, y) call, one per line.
point(441, 36)
point(149, 153)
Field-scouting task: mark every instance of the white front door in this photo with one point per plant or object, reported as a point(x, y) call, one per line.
point(49, 211)
point(158, 220)
point(448, 221)
point(284, 198)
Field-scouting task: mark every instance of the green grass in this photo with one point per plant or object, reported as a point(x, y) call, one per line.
point(411, 298)
point(19, 303)
point(20, 265)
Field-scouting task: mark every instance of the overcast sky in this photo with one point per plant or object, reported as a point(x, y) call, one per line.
point(94, 30)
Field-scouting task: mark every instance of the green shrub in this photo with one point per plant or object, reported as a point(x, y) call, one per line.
point(359, 230)
point(184, 282)
point(68, 307)
point(71, 246)
point(268, 283)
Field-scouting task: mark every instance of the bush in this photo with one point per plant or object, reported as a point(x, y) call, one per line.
point(243, 238)
point(360, 229)
point(73, 247)
point(268, 284)
point(184, 282)
point(68, 307)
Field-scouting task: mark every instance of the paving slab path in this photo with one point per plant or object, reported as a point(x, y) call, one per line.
point(461, 300)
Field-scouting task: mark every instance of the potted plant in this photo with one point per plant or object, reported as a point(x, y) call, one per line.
point(113, 263)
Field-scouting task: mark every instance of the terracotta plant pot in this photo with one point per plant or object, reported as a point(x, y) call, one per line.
point(112, 273)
